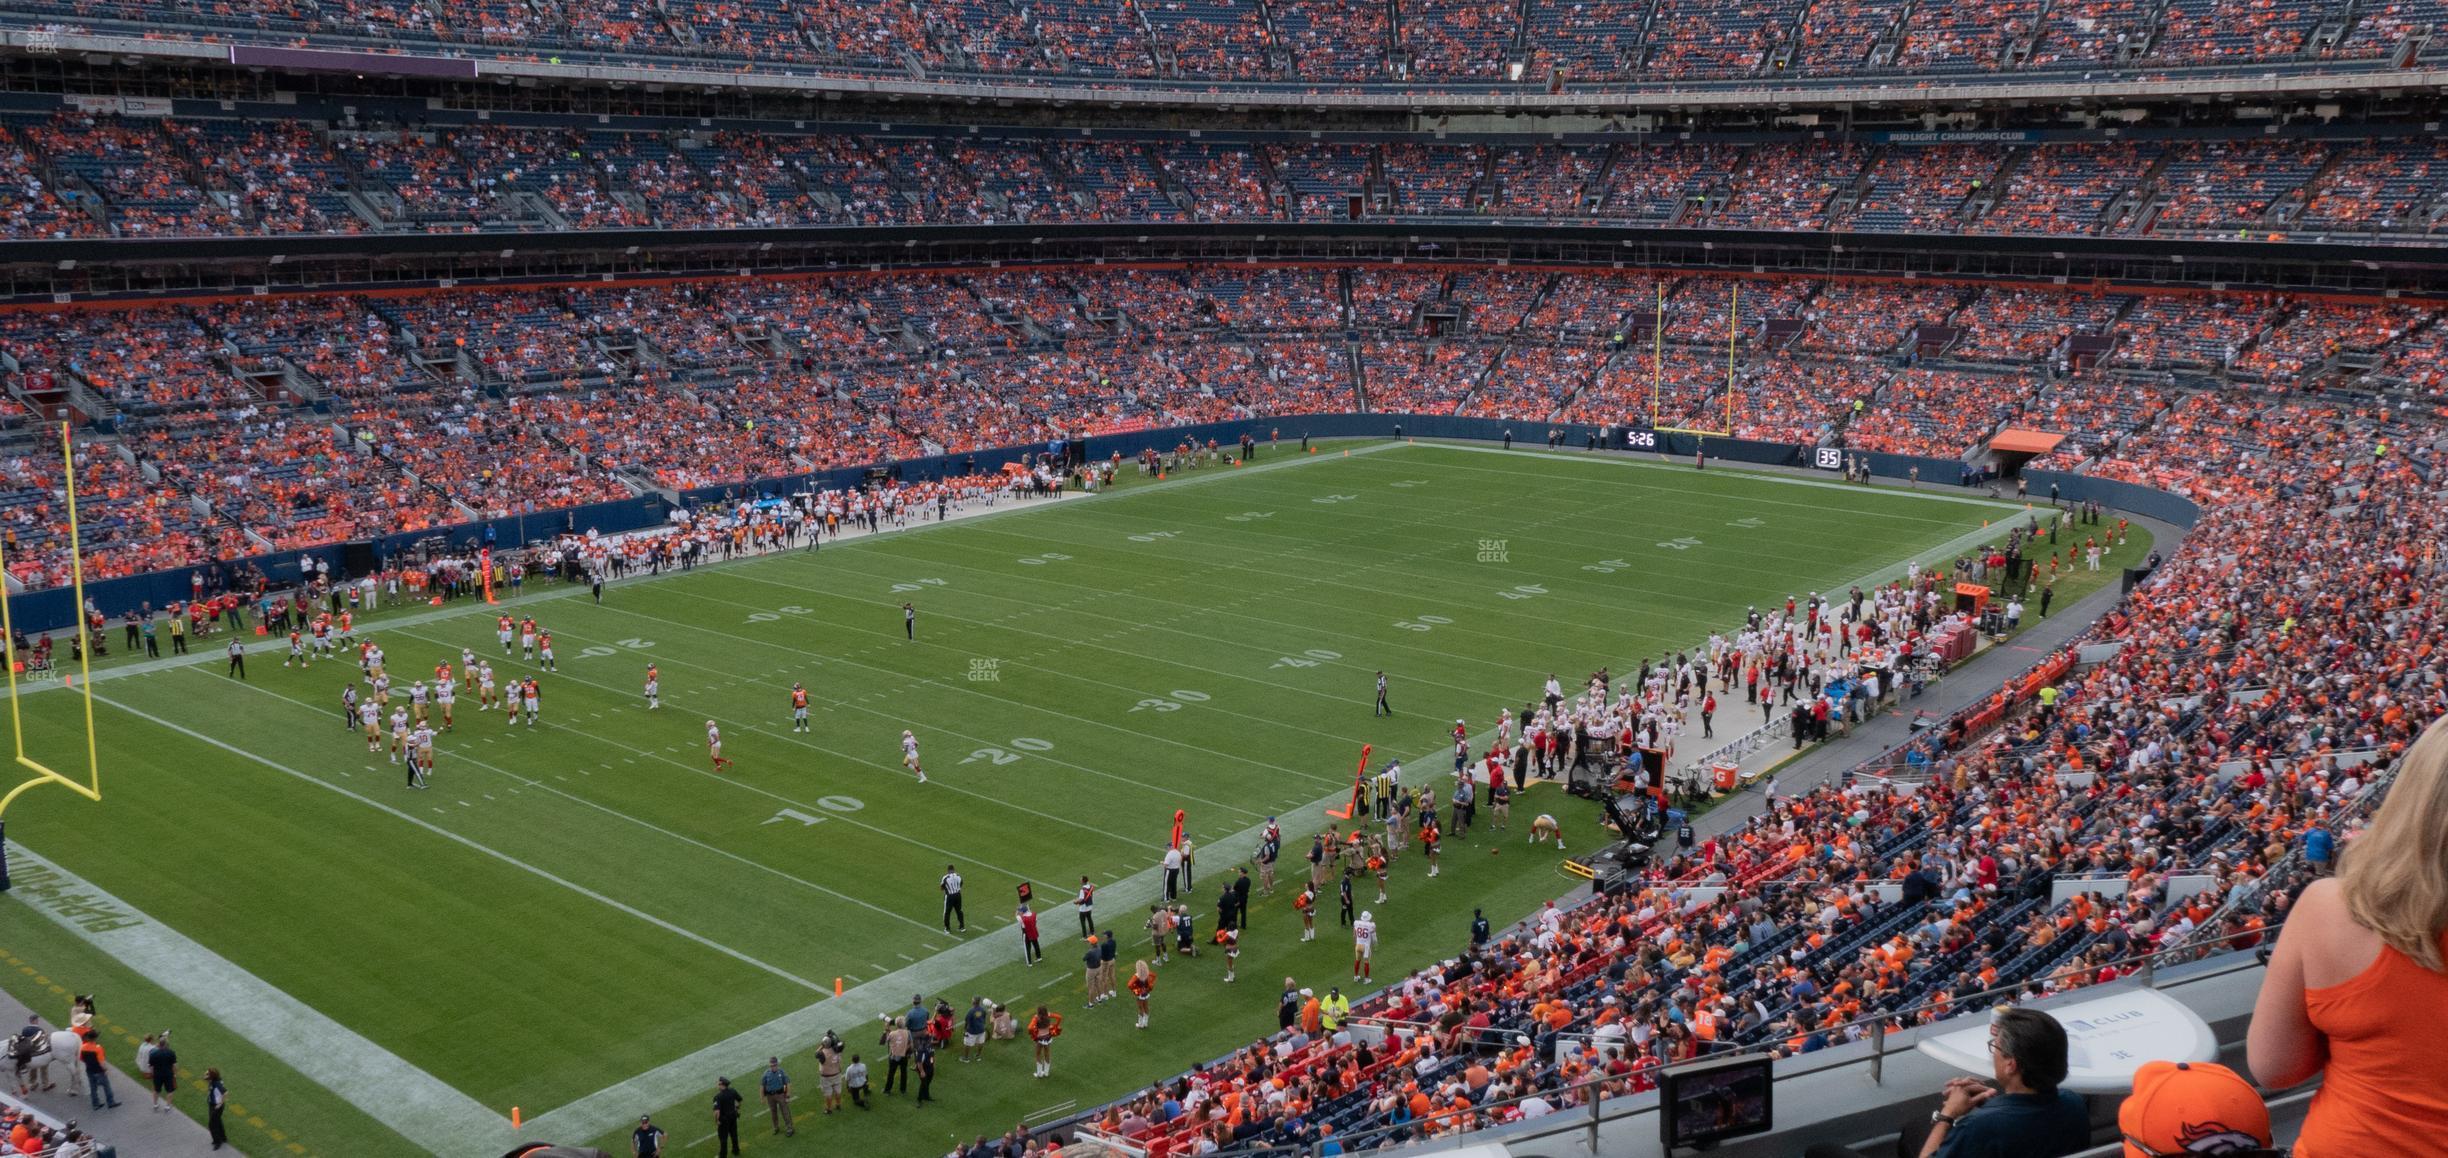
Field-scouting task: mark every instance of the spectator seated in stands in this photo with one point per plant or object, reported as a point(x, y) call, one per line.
point(2024, 1115)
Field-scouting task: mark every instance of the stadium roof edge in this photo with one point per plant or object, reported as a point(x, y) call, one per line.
point(2259, 82)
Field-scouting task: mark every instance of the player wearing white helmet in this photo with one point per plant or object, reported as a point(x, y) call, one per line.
point(909, 754)
point(1364, 941)
point(446, 695)
point(399, 733)
point(714, 746)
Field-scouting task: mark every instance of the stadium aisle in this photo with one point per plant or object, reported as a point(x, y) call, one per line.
point(1976, 679)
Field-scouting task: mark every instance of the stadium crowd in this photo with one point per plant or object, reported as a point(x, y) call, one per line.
point(2255, 698)
point(80, 174)
point(1311, 41)
point(236, 427)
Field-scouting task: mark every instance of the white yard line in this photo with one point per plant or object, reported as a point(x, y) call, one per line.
point(1937, 492)
point(650, 826)
point(432, 1114)
point(269, 646)
point(419, 1106)
point(800, 1029)
point(470, 843)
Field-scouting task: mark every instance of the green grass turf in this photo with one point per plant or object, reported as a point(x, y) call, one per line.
point(1204, 645)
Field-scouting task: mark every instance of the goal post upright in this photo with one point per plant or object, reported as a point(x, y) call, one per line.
point(1657, 357)
point(1733, 330)
point(91, 789)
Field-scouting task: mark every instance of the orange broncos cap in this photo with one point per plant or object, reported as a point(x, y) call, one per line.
point(2191, 1108)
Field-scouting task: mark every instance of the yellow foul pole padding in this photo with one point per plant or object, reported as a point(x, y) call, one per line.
point(1733, 328)
point(1657, 357)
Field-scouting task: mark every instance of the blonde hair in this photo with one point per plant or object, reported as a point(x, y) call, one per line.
point(2395, 875)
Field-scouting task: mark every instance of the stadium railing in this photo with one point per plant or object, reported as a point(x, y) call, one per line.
point(1884, 1036)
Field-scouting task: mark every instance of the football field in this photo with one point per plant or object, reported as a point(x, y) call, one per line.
point(584, 919)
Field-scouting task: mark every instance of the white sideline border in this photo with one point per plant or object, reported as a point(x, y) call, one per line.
point(799, 1030)
point(1940, 492)
point(431, 1113)
point(419, 1106)
point(270, 645)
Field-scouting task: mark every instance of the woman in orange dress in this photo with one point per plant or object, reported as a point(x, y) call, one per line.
point(2357, 991)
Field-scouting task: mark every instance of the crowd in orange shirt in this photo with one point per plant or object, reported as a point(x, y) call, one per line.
point(2146, 774)
point(513, 401)
point(85, 175)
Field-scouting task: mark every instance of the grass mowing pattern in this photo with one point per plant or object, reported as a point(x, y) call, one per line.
point(1207, 646)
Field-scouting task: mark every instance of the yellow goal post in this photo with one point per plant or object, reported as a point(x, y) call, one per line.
point(91, 787)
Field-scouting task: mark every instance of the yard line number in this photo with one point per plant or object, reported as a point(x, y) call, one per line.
point(828, 803)
point(1422, 623)
point(1180, 697)
point(920, 585)
point(1310, 658)
point(1010, 755)
point(599, 651)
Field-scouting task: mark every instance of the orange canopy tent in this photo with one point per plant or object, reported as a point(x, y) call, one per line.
point(2016, 440)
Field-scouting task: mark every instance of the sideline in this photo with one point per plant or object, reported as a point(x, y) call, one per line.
point(1935, 492)
point(268, 645)
point(433, 1114)
point(419, 1106)
point(675, 1081)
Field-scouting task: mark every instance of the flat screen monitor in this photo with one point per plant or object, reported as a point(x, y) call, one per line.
point(1705, 1102)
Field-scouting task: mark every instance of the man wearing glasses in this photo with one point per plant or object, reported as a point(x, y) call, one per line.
point(2024, 1115)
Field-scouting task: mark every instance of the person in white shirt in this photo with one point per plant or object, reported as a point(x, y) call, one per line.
point(420, 755)
point(1364, 942)
point(909, 755)
point(399, 733)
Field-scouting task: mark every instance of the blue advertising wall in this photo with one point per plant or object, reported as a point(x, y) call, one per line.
point(52, 610)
